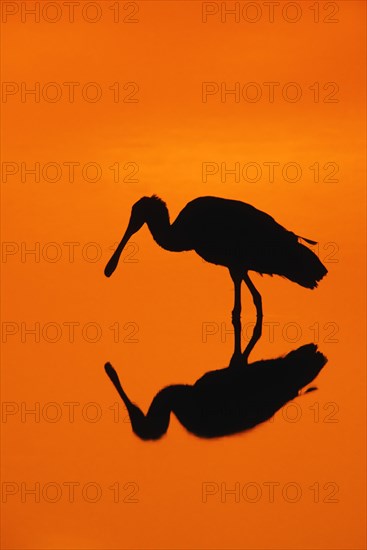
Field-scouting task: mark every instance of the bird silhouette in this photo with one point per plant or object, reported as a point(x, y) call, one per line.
point(226, 401)
point(233, 234)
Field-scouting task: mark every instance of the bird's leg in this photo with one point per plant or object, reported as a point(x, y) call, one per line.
point(236, 318)
point(259, 317)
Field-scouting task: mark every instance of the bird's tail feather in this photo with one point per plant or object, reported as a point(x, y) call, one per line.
point(301, 265)
point(307, 240)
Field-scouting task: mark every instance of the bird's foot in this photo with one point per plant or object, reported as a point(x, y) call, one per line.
point(237, 361)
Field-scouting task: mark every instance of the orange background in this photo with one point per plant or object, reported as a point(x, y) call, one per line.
point(169, 133)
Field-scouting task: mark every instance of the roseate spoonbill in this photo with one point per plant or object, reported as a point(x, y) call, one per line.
point(233, 234)
point(226, 401)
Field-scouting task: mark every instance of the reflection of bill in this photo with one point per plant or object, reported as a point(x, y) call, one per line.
point(229, 400)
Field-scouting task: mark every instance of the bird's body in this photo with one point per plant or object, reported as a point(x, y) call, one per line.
point(233, 234)
point(236, 235)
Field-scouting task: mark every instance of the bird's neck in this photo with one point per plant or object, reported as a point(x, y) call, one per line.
point(161, 229)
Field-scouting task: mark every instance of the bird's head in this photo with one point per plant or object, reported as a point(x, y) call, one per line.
point(140, 213)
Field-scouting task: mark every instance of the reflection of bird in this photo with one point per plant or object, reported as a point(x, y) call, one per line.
point(226, 401)
point(229, 233)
